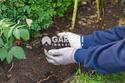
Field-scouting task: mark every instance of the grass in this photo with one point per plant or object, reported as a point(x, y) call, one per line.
point(89, 77)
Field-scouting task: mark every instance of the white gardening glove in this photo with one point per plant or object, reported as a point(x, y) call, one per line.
point(61, 56)
point(73, 39)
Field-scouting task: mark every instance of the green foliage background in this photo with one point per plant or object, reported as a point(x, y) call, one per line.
point(40, 11)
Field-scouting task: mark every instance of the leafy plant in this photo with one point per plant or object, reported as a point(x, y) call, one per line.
point(40, 11)
point(61, 6)
point(9, 33)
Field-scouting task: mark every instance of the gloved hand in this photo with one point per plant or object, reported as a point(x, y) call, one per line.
point(61, 56)
point(74, 39)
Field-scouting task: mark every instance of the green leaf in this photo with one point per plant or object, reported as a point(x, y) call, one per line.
point(17, 52)
point(3, 53)
point(1, 42)
point(3, 7)
point(5, 32)
point(11, 31)
point(10, 42)
point(9, 58)
point(16, 33)
point(24, 33)
point(5, 23)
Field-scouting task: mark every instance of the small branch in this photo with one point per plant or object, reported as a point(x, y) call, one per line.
point(43, 80)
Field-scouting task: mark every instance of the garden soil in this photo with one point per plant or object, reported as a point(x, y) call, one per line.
point(35, 68)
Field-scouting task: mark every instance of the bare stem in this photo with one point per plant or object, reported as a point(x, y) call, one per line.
point(74, 14)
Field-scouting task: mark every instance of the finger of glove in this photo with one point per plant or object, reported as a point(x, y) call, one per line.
point(63, 34)
point(50, 56)
point(46, 53)
point(52, 61)
point(55, 52)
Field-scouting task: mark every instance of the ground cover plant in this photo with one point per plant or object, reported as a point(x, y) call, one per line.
point(90, 77)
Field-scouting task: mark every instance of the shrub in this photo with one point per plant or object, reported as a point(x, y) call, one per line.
point(40, 11)
point(9, 33)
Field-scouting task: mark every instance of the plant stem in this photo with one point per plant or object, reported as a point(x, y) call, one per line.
point(74, 14)
point(98, 8)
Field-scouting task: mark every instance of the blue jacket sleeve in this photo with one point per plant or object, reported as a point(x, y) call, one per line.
point(103, 37)
point(107, 58)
